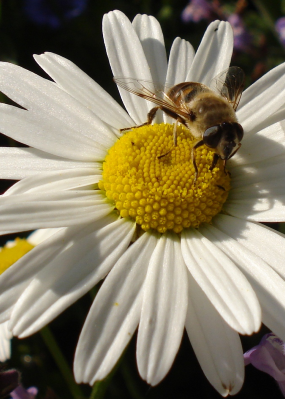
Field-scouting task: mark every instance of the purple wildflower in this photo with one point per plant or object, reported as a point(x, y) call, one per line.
point(9, 380)
point(53, 13)
point(269, 357)
point(280, 28)
point(198, 10)
point(242, 38)
point(21, 393)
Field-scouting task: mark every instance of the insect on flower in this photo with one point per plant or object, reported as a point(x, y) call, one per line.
point(208, 112)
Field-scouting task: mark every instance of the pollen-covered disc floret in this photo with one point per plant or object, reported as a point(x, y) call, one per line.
point(153, 182)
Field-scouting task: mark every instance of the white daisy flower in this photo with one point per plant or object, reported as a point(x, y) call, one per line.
point(5, 341)
point(9, 254)
point(130, 215)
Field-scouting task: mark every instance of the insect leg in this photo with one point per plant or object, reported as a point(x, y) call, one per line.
point(150, 117)
point(225, 171)
point(214, 162)
point(198, 144)
point(235, 151)
point(174, 115)
point(221, 187)
point(174, 140)
point(177, 119)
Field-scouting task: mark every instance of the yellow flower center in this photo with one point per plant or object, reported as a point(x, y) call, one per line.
point(153, 182)
point(9, 255)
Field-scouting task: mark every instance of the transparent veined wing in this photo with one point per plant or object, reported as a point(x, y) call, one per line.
point(149, 90)
point(229, 84)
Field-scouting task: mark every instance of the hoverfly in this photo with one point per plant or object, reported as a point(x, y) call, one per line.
point(208, 112)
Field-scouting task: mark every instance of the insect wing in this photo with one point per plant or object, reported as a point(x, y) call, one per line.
point(229, 84)
point(148, 90)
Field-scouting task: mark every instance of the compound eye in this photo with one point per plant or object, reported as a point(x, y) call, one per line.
point(212, 136)
point(239, 131)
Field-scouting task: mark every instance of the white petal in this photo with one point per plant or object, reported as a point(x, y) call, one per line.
point(257, 191)
point(268, 285)
point(163, 310)
point(57, 181)
point(5, 315)
point(263, 171)
point(5, 342)
point(274, 318)
point(263, 145)
point(41, 235)
point(261, 100)
point(80, 86)
point(30, 211)
point(258, 209)
point(266, 243)
point(151, 37)
point(256, 122)
point(127, 59)
point(69, 195)
point(180, 60)
point(226, 287)
point(214, 53)
point(42, 132)
point(17, 277)
point(114, 314)
point(70, 275)
point(18, 163)
point(54, 107)
point(216, 345)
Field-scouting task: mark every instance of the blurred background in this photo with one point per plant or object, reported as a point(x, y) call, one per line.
point(73, 30)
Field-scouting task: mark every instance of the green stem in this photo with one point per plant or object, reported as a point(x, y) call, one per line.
point(100, 387)
point(62, 364)
point(93, 292)
point(281, 227)
point(263, 10)
point(130, 380)
point(259, 4)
